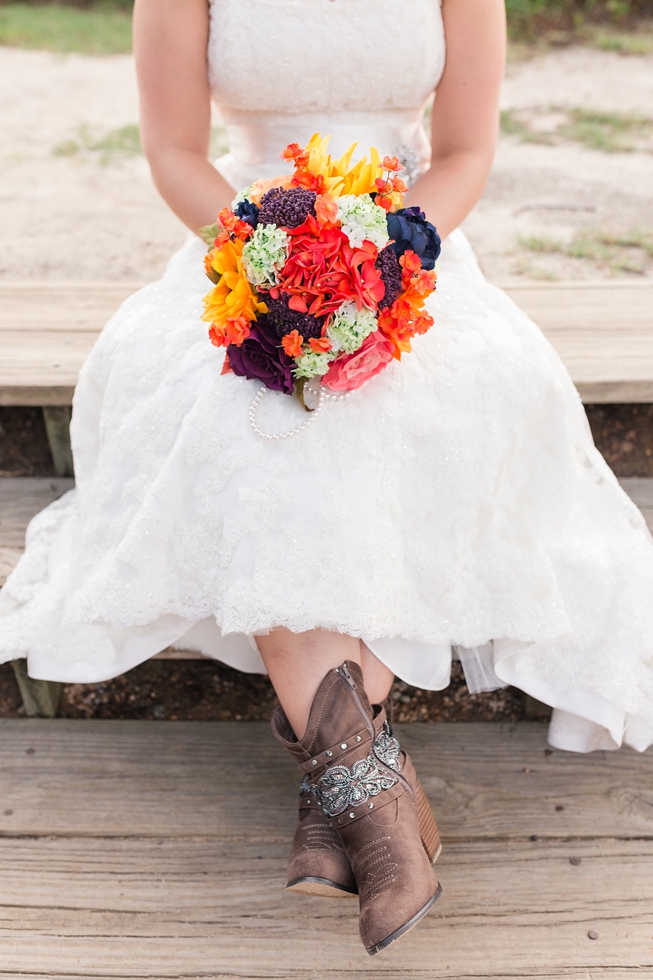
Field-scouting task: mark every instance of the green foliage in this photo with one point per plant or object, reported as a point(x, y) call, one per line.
point(103, 26)
point(561, 19)
point(105, 29)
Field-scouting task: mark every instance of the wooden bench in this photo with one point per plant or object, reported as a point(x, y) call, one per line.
point(602, 330)
point(23, 497)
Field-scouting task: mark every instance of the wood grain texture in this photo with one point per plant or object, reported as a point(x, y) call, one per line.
point(21, 497)
point(88, 890)
point(79, 307)
point(186, 908)
point(602, 330)
point(232, 781)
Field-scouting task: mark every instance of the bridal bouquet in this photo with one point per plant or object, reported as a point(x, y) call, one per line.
point(320, 274)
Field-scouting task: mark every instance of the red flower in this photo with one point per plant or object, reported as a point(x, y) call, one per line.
point(295, 152)
point(309, 181)
point(323, 271)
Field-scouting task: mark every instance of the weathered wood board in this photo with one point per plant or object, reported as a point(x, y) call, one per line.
point(602, 330)
point(233, 781)
point(158, 908)
point(204, 897)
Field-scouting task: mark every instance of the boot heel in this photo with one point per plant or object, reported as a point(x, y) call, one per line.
point(428, 828)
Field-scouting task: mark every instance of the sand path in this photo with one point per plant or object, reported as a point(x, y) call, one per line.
point(94, 214)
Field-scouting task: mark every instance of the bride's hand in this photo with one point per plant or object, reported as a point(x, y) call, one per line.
point(170, 40)
point(465, 116)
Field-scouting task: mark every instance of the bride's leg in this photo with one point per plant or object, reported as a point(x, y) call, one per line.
point(297, 664)
point(366, 823)
point(378, 678)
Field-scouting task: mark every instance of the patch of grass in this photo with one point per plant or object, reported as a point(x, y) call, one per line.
point(103, 29)
point(612, 132)
point(512, 125)
point(616, 251)
point(110, 146)
point(604, 130)
point(631, 43)
point(117, 144)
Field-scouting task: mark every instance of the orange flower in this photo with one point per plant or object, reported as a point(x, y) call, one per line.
point(226, 367)
point(295, 152)
point(321, 345)
point(309, 181)
point(208, 267)
point(233, 297)
point(218, 335)
point(232, 227)
point(392, 163)
point(292, 343)
point(326, 209)
point(237, 329)
point(410, 262)
point(406, 317)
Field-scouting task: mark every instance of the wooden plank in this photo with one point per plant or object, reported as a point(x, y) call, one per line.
point(640, 491)
point(61, 306)
point(41, 367)
point(21, 497)
point(187, 909)
point(602, 330)
point(232, 781)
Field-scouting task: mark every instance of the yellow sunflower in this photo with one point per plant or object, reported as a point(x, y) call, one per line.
point(233, 296)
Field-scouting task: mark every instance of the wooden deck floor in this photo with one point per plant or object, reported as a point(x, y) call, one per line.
point(157, 849)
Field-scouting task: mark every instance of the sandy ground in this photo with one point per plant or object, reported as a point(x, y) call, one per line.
point(96, 215)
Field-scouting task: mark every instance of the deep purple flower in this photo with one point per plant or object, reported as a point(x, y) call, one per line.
point(286, 208)
point(388, 264)
point(247, 211)
point(409, 229)
point(261, 358)
point(284, 320)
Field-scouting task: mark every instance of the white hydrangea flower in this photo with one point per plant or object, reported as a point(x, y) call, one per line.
point(362, 220)
point(264, 254)
point(312, 364)
point(242, 196)
point(349, 327)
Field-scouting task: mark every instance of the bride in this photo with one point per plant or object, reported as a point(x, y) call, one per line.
point(453, 503)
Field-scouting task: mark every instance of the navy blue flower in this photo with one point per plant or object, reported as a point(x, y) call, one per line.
point(248, 212)
point(409, 229)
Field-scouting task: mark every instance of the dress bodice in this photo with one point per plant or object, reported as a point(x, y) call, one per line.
point(361, 70)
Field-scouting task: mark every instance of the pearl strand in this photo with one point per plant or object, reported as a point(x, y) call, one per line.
point(323, 397)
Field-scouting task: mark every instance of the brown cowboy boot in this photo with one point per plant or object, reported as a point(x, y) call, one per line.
point(318, 864)
point(354, 768)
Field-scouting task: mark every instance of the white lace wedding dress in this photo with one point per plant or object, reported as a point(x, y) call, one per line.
point(455, 501)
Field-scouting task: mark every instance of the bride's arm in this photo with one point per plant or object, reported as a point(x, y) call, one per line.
point(465, 115)
point(170, 38)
